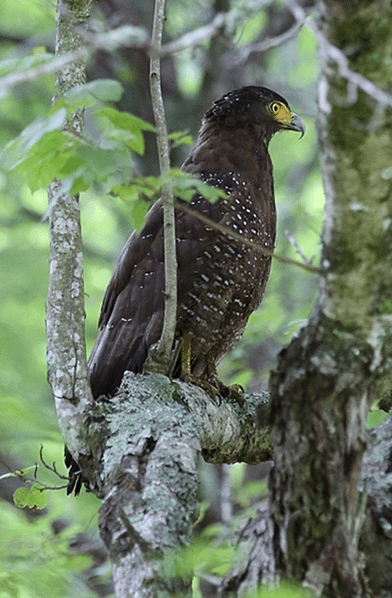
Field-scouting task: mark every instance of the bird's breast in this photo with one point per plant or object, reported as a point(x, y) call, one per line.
point(225, 281)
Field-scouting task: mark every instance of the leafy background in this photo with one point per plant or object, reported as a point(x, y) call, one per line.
point(56, 551)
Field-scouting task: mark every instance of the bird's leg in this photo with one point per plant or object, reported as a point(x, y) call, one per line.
point(186, 373)
point(186, 355)
point(212, 385)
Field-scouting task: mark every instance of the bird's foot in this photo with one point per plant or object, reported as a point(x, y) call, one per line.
point(201, 383)
point(211, 383)
point(234, 391)
point(216, 389)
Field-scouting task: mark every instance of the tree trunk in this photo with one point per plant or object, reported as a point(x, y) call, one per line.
point(339, 364)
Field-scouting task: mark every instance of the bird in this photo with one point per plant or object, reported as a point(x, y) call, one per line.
point(223, 249)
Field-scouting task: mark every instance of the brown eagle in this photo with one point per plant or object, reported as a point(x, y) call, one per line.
point(221, 279)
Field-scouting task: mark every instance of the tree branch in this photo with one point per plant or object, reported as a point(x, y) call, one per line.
point(150, 439)
point(126, 36)
point(198, 36)
point(242, 55)
point(255, 246)
point(330, 53)
point(66, 351)
point(159, 359)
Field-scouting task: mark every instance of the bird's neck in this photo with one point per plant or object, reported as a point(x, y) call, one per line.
point(230, 149)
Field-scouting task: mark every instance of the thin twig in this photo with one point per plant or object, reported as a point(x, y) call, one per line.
point(52, 468)
point(169, 232)
point(335, 55)
point(127, 36)
point(197, 37)
point(229, 232)
point(297, 248)
point(267, 44)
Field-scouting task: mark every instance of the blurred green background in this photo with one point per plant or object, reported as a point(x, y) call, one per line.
point(41, 553)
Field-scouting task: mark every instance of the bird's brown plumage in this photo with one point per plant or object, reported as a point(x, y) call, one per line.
point(221, 280)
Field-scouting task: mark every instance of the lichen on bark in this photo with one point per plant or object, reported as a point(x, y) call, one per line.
point(150, 436)
point(340, 362)
point(66, 351)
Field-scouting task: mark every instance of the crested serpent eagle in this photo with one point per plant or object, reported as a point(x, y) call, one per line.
point(221, 279)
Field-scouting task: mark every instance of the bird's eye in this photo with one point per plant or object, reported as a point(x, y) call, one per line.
point(274, 107)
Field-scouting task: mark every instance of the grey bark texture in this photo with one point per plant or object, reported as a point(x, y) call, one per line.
point(146, 441)
point(254, 539)
point(376, 533)
point(66, 350)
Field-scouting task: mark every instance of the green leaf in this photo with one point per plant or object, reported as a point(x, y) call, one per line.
point(208, 557)
point(89, 94)
point(37, 498)
point(37, 129)
point(21, 497)
point(100, 162)
point(12, 65)
point(284, 590)
point(17, 150)
point(124, 120)
point(139, 209)
point(180, 138)
point(45, 161)
point(114, 123)
point(27, 470)
point(375, 418)
point(79, 185)
point(146, 187)
point(133, 194)
point(186, 185)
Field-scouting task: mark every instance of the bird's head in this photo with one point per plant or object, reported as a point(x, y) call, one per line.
point(255, 106)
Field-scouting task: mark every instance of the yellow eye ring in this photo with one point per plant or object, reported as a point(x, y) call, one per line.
point(274, 107)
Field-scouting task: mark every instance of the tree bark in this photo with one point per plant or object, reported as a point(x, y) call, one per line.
point(376, 537)
point(160, 357)
point(149, 488)
point(255, 538)
point(66, 350)
point(145, 442)
point(339, 364)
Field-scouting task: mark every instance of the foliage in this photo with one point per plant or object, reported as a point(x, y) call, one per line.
point(106, 167)
point(33, 498)
point(34, 561)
